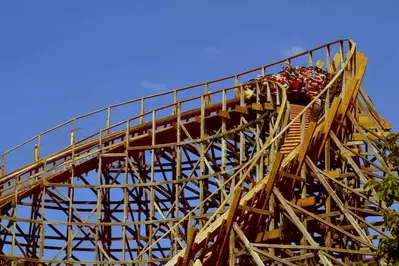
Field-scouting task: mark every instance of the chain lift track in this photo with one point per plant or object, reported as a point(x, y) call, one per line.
point(211, 178)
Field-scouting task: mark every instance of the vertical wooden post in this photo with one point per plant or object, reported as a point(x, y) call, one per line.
point(242, 137)
point(99, 199)
point(202, 156)
point(175, 102)
point(310, 58)
point(37, 148)
point(42, 228)
point(71, 190)
point(125, 191)
point(178, 172)
point(3, 165)
point(328, 57)
point(224, 144)
point(341, 52)
point(108, 119)
point(237, 89)
point(207, 97)
point(152, 191)
point(260, 165)
point(142, 111)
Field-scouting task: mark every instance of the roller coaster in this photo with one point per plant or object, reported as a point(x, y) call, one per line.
point(206, 175)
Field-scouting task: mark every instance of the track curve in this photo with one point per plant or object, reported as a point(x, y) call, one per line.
point(141, 190)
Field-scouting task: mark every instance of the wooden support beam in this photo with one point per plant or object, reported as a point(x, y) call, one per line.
point(241, 109)
point(229, 224)
point(347, 99)
point(190, 241)
point(304, 146)
point(267, 191)
point(319, 64)
point(256, 210)
point(323, 221)
point(339, 203)
point(248, 246)
point(274, 258)
point(300, 226)
point(334, 66)
point(197, 263)
point(264, 236)
point(269, 106)
point(327, 124)
point(224, 114)
point(257, 106)
point(368, 122)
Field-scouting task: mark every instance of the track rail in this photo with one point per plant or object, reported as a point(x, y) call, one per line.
point(171, 128)
point(34, 143)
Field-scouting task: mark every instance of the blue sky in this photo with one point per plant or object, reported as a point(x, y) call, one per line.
point(59, 59)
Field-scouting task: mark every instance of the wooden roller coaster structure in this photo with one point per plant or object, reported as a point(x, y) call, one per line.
point(211, 178)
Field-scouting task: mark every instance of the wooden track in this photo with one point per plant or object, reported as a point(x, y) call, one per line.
point(234, 182)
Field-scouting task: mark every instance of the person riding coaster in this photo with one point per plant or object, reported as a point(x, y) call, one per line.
point(299, 81)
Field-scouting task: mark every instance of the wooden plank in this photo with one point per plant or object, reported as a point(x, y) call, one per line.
point(306, 202)
point(339, 203)
point(368, 122)
point(334, 66)
point(229, 223)
point(304, 146)
point(257, 106)
point(347, 99)
point(268, 106)
point(299, 225)
point(334, 173)
point(270, 256)
point(197, 263)
point(264, 236)
point(331, 225)
point(381, 135)
point(255, 210)
point(267, 191)
point(224, 114)
point(241, 109)
point(319, 64)
point(248, 246)
point(190, 241)
point(361, 62)
point(327, 124)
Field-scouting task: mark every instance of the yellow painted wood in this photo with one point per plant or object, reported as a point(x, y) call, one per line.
point(319, 64)
point(334, 174)
point(367, 122)
point(257, 106)
point(335, 63)
point(264, 236)
point(358, 136)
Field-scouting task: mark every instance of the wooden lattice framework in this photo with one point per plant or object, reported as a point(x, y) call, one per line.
point(211, 178)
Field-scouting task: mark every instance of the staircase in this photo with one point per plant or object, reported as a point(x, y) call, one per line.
point(293, 138)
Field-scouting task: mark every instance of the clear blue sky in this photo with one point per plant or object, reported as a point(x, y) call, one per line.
point(59, 59)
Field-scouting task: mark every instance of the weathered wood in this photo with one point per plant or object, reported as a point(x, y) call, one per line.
point(229, 224)
point(247, 245)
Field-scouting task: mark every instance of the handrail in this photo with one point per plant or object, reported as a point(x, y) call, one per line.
point(272, 138)
point(110, 108)
point(250, 163)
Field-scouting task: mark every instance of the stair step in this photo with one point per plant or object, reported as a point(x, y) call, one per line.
point(295, 130)
point(289, 146)
point(298, 140)
point(292, 137)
